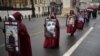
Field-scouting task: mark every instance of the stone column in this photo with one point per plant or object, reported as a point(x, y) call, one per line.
point(66, 7)
point(28, 2)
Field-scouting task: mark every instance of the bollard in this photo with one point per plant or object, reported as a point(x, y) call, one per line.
point(22, 17)
point(29, 17)
point(0, 19)
point(36, 15)
point(25, 17)
point(5, 18)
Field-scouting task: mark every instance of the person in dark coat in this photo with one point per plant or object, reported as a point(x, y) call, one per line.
point(25, 42)
point(90, 11)
point(52, 41)
point(94, 13)
point(99, 9)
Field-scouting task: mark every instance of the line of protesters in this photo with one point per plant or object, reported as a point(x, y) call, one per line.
point(76, 21)
point(73, 22)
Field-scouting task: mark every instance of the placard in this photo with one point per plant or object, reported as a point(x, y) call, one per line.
point(71, 21)
point(50, 28)
point(11, 37)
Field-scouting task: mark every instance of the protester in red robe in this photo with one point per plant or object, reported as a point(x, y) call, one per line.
point(25, 42)
point(50, 42)
point(80, 20)
point(71, 29)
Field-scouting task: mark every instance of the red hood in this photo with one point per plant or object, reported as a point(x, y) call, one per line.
point(17, 16)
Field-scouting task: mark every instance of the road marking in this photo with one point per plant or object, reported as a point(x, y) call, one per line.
point(74, 47)
point(2, 45)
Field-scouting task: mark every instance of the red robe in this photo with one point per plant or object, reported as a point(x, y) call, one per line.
point(25, 42)
point(80, 24)
point(52, 42)
point(71, 29)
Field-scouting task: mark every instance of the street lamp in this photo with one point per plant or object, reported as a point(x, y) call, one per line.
point(44, 3)
point(33, 9)
point(7, 12)
point(8, 3)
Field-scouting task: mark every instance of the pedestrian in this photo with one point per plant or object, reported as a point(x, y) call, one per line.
point(24, 38)
point(52, 32)
point(29, 17)
point(99, 9)
point(90, 11)
point(71, 22)
point(25, 17)
point(94, 13)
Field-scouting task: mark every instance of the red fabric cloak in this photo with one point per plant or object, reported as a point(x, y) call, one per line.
point(53, 42)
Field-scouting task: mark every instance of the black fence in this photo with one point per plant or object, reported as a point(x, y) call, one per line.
point(11, 8)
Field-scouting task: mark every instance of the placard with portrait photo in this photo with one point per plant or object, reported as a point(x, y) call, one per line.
point(11, 37)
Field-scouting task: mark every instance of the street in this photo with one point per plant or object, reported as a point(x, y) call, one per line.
point(89, 47)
